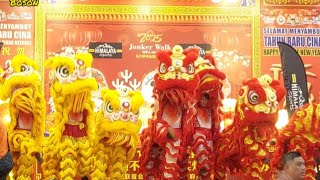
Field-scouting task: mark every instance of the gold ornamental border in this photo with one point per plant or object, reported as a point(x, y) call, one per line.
point(288, 3)
point(179, 15)
point(151, 18)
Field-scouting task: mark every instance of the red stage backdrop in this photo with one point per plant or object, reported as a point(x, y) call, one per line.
point(16, 31)
point(297, 24)
point(124, 53)
point(133, 47)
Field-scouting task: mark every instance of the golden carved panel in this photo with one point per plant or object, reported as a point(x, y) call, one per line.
point(159, 18)
point(147, 14)
point(256, 53)
point(291, 2)
point(139, 10)
point(40, 44)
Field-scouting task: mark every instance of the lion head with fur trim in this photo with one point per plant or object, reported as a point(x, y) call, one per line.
point(20, 82)
point(259, 99)
point(71, 87)
point(117, 120)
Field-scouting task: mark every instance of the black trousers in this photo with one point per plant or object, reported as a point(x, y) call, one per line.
point(6, 165)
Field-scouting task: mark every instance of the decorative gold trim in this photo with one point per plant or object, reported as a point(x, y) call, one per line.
point(256, 50)
point(147, 14)
point(145, 10)
point(288, 3)
point(40, 44)
point(144, 18)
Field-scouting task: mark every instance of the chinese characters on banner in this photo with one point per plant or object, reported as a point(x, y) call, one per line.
point(16, 31)
point(297, 25)
point(133, 167)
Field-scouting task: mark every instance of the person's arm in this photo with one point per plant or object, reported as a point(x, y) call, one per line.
point(3, 140)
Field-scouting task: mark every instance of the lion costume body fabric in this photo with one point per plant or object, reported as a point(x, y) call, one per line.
point(241, 147)
point(164, 142)
point(117, 132)
point(206, 125)
point(301, 134)
point(20, 83)
point(68, 151)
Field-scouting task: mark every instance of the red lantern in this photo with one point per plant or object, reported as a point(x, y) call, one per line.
point(226, 41)
point(223, 41)
point(77, 37)
point(95, 35)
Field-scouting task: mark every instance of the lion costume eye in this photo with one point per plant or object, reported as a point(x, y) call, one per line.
point(162, 68)
point(24, 68)
point(190, 69)
point(63, 71)
point(7, 65)
point(253, 97)
point(107, 107)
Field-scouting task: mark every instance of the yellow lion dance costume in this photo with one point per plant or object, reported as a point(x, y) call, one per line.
point(20, 82)
point(117, 132)
point(68, 151)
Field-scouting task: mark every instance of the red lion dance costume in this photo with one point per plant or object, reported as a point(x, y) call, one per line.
point(68, 151)
point(207, 120)
point(301, 134)
point(241, 147)
point(20, 82)
point(164, 142)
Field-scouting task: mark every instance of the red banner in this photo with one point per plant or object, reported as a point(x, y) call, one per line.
point(139, 43)
point(16, 31)
point(297, 26)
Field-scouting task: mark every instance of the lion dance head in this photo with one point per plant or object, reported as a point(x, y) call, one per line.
point(176, 70)
point(72, 85)
point(117, 132)
point(259, 99)
point(118, 118)
point(242, 145)
point(74, 126)
point(175, 86)
point(209, 92)
point(21, 84)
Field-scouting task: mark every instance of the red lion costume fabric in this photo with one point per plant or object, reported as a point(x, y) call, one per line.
point(241, 147)
point(164, 142)
point(301, 134)
point(206, 124)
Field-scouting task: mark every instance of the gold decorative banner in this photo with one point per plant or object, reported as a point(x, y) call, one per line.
point(291, 2)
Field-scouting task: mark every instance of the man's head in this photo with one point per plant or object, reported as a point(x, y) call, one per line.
point(294, 165)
